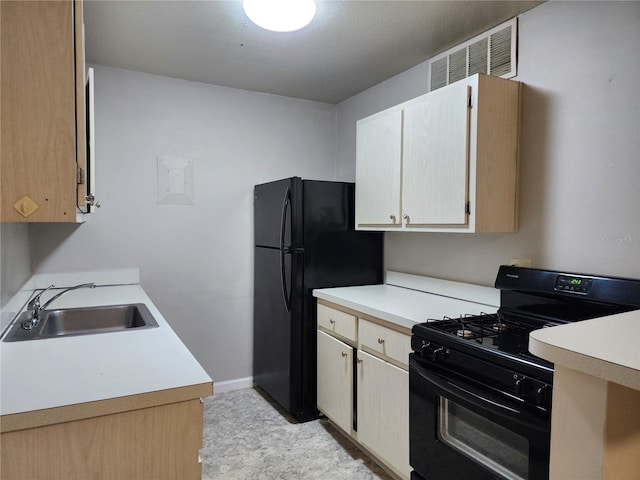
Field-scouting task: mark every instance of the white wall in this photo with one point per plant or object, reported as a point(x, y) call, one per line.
point(15, 265)
point(580, 150)
point(196, 261)
point(15, 261)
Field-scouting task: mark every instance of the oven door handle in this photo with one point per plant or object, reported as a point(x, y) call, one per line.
point(466, 391)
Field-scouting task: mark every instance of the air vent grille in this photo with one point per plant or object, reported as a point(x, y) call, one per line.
point(457, 65)
point(501, 52)
point(439, 72)
point(493, 52)
point(478, 54)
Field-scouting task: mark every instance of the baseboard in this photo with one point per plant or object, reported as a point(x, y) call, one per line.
point(231, 385)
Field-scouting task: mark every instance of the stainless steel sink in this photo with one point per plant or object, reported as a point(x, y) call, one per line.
point(84, 321)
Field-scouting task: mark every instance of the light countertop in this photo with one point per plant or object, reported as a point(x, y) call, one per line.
point(58, 372)
point(606, 347)
point(405, 302)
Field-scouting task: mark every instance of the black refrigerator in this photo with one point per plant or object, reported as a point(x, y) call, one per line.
point(304, 239)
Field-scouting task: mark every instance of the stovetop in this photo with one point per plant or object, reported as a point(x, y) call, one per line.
point(530, 299)
point(501, 333)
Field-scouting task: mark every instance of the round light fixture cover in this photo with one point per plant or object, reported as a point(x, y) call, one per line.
point(280, 15)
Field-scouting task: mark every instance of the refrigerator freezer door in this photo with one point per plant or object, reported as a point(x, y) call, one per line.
point(274, 213)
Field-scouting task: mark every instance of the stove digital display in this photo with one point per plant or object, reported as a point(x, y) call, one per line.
point(573, 284)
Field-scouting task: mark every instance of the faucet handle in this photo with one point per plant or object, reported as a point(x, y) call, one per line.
point(34, 303)
point(34, 307)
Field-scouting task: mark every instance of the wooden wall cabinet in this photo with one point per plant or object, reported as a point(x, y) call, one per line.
point(372, 387)
point(43, 147)
point(442, 162)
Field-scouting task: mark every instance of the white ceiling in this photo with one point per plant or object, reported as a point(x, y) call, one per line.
point(348, 47)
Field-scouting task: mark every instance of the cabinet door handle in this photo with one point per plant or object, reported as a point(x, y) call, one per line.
point(380, 341)
point(332, 321)
point(406, 218)
point(91, 200)
point(344, 354)
point(359, 360)
point(393, 218)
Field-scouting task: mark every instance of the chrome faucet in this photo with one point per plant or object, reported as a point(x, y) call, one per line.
point(35, 308)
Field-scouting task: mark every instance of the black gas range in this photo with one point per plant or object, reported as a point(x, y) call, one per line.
point(480, 402)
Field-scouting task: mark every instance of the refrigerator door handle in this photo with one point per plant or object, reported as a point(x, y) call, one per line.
point(285, 250)
point(286, 211)
point(286, 293)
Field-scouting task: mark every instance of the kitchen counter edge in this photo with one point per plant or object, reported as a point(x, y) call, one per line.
point(127, 369)
point(413, 299)
point(606, 347)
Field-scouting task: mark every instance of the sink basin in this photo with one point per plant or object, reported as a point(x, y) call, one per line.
point(84, 321)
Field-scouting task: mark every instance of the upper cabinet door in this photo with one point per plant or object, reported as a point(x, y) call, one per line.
point(43, 125)
point(378, 167)
point(435, 170)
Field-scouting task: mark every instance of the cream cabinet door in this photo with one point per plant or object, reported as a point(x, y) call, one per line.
point(435, 166)
point(378, 167)
point(383, 411)
point(335, 380)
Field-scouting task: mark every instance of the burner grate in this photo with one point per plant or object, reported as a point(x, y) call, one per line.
point(484, 325)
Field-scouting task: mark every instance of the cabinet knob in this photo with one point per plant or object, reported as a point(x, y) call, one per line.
point(359, 360)
point(332, 321)
point(344, 354)
point(393, 218)
point(406, 218)
point(380, 341)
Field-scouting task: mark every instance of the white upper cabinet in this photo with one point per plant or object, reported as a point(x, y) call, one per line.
point(378, 175)
point(435, 154)
point(443, 162)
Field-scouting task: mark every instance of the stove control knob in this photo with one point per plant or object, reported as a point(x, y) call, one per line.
point(543, 396)
point(439, 353)
point(522, 386)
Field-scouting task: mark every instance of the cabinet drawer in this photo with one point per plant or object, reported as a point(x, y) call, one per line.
point(337, 322)
point(384, 341)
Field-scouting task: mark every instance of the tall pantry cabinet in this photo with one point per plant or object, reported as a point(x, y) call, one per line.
point(43, 143)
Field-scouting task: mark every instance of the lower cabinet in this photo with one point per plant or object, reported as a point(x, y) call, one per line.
point(383, 411)
point(159, 442)
point(367, 396)
point(335, 380)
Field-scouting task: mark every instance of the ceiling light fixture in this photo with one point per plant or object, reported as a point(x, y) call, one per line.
point(280, 15)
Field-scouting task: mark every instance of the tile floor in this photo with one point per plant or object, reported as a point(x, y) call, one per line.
point(248, 437)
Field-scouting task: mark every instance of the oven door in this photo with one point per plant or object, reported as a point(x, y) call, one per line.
point(459, 428)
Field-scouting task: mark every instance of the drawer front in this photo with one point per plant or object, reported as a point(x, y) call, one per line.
point(337, 322)
point(384, 341)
